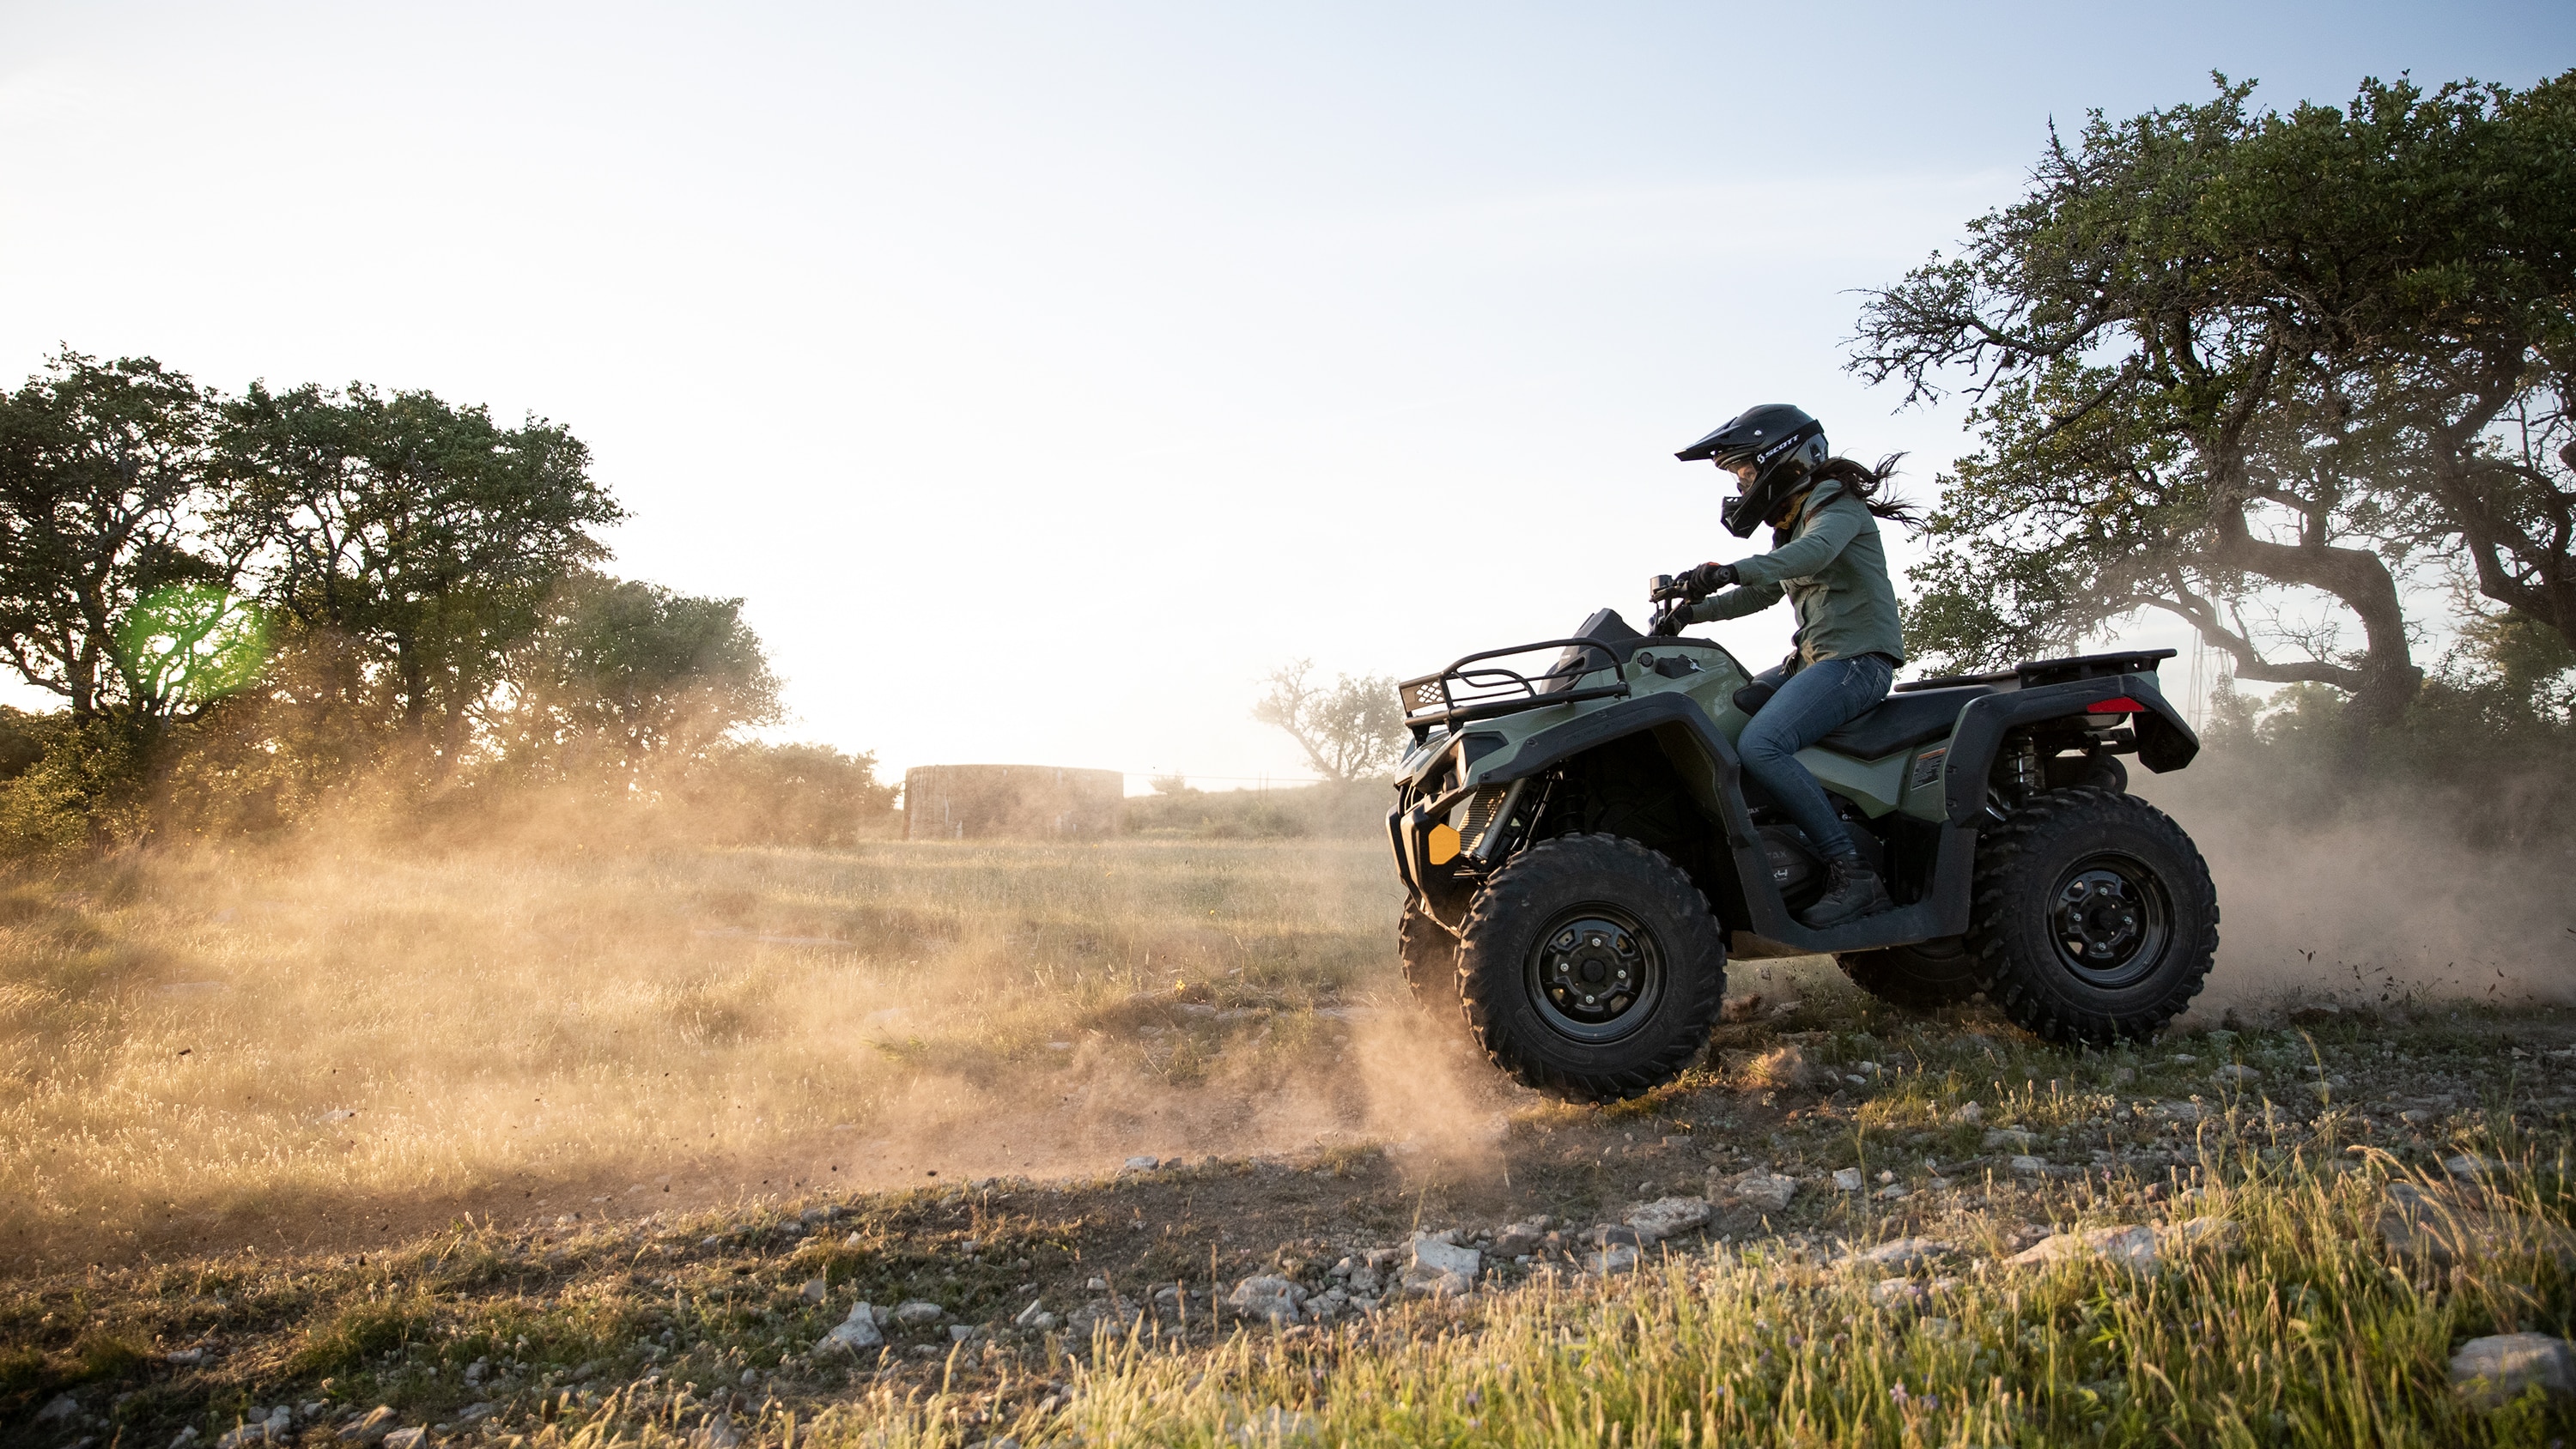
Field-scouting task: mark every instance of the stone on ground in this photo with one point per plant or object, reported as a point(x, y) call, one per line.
point(415, 1437)
point(856, 1332)
point(2129, 1247)
point(1901, 1253)
point(2017, 1138)
point(917, 1312)
point(1759, 1189)
point(1667, 1217)
point(1441, 1268)
point(2494, 1371)
point(1266, 1295)
point(372, 1429)
point(1847, 1179)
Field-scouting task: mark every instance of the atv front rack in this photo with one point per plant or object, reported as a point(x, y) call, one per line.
point(1470, 689)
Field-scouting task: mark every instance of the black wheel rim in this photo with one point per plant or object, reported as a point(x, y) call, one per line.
point(1596, 973)
point(2111, 919)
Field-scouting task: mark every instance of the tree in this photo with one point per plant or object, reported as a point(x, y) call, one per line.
point(1349, 729)
point(2218, 355)
point(622, 673)
point(102, 466)
point(414, 541)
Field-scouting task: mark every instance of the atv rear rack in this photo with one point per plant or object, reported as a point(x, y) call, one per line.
point(1467, 690)
point(2031, 674)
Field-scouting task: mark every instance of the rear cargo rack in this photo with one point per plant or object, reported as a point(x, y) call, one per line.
point(2033, 673)
point(1471, 689)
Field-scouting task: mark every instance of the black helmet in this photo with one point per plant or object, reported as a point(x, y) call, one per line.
point(1782, 446)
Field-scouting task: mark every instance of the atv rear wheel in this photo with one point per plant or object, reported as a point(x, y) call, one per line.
point(2094, 917)
point(1430, 957)
point(1591, 968)
point(1923, 976)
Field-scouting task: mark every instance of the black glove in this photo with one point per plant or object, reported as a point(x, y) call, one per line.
point(1707, 579)
point(1669, 622)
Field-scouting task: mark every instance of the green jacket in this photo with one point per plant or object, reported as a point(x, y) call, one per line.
point(1829, 562)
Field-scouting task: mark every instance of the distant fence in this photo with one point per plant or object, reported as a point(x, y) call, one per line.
point(962, 802)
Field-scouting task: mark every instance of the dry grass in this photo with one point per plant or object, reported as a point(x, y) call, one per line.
point(182, 1037)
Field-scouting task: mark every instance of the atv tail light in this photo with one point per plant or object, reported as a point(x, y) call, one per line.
point(2120, 705)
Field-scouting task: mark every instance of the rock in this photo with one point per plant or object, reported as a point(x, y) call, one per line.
point(815, 1290)
point(1143, 1164)
point(2236, 1074)
point(2472, 1167)
point(1893, 1192)
point(1760, 1189)
point(960, 1332)
point(1269, 1296)
point(2012, 1137)
point(1614, 1235)
point(2416, 1223)
point(1366, 1281)
point(412, 1438)
point(1847, 1179)
point(2028, 1166)
point(2194, 1232)
point(372, 1429)
point(1664, 1218)
point(1895, 1292)
point(852, 1334)
point(2128, 1247)
point(1903, 1253)
point(1441, 1268)
point(916, 1313)
point(1518, 1239)
point(2414, 1116)
point(1446, 1257)
point(63, 1408)
point(186, 1437)
point(1030, 1314)
point(1741, 1008)
point(1969, 1115)
point(1611, 1260)
point(184, 1357)
point(2494, 1371)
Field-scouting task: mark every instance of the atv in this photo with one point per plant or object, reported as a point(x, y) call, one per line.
point(1581, 853)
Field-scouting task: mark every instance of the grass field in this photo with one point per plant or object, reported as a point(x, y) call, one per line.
point(237, 1047)
point(633, 1129)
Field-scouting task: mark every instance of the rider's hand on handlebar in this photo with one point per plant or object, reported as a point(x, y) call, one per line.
point(1708, 578)
point(1691, 584)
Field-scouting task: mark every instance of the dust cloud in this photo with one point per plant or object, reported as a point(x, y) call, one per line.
point(2383, 903)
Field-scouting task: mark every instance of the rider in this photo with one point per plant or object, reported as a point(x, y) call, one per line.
point(1825, 555)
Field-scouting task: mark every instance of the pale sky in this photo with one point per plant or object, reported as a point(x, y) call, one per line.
point(1044, 375)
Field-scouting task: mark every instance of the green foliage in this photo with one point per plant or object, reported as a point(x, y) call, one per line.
point(808, 795)
point(85, 789)
point(1348, 729)
point(422, 538)
point(622, 673)
point(100, 464)
point(2255, 369)
point(191, 644)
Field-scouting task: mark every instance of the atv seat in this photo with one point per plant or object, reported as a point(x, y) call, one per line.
point(1902, 721)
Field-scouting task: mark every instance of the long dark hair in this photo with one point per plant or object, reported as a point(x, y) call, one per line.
point(1864, 482)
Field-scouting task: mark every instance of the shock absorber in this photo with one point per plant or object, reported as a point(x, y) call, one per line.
point(2023, 762)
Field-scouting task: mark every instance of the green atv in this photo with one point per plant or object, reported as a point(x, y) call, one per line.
point(1580, 850)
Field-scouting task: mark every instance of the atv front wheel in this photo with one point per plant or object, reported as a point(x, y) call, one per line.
point(1592, 968)
point(1430, 956)
point(2093, 918)
point(1923, 976)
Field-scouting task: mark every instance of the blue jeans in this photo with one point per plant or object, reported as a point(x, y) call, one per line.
point(1818, 698)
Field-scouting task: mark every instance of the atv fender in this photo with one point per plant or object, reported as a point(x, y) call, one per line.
point(1747, 899)
point(2165, 739)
